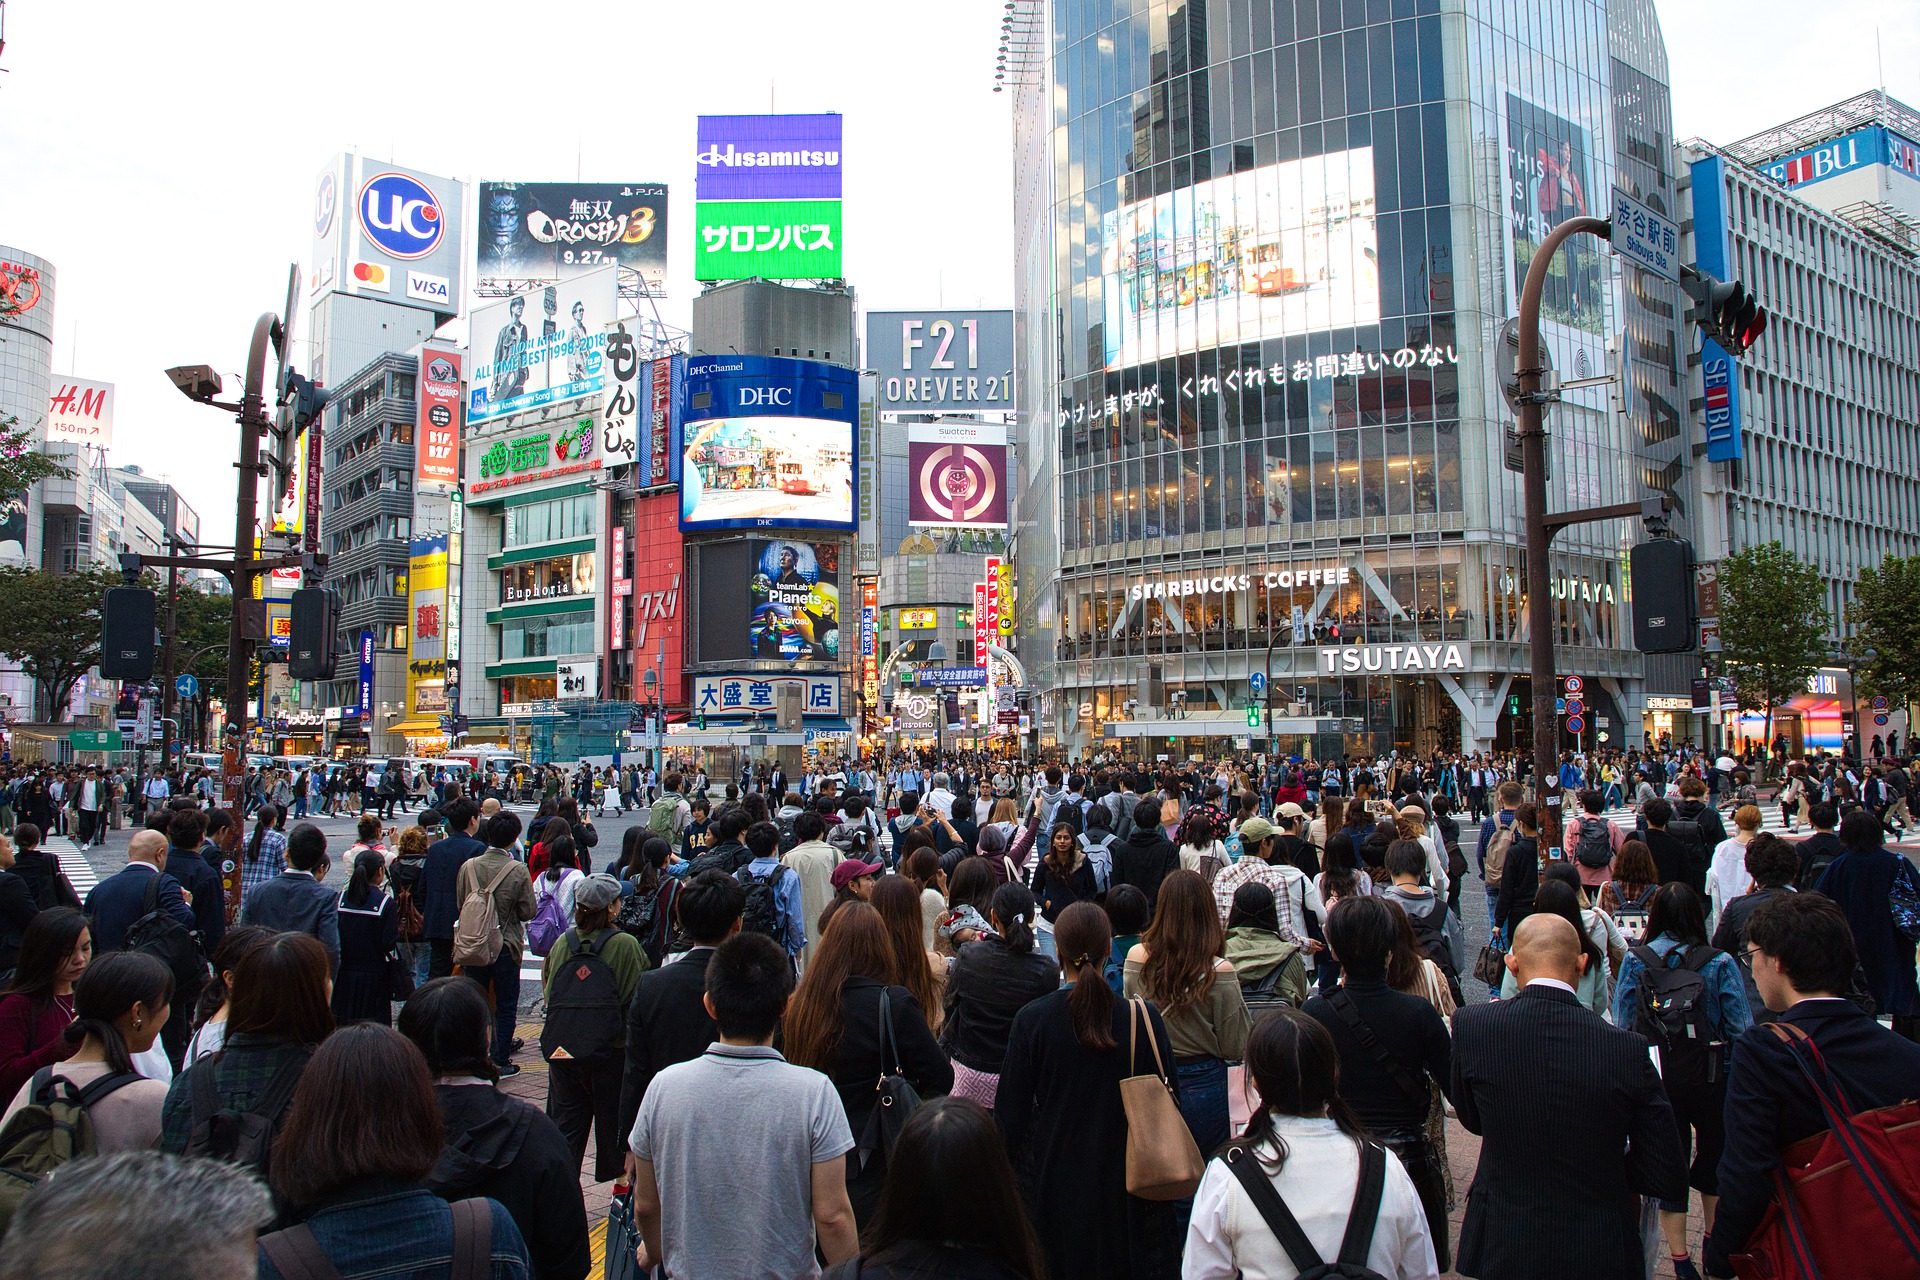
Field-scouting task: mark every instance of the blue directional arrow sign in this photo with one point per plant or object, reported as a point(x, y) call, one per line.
point(1259, 681)
point(187, 686)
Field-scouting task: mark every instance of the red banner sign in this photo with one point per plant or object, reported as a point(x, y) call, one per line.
point(437, 428)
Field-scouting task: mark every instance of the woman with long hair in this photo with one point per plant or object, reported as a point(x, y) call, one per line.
point(120, 1003)
point(1060, 879)
point(562, 876)
point(1410, 970)
point(1180, 964)
point(1556, 897)
point(37, 1005)
point(210, 1011)
point(999, 857)
point(836, 1024)
point(991, 980)
point(1693, 1068)
point(1307, 1144)
point(361, 1137)
point(648, 888)
point(922, 866)
point(277, 1014)
point(369, 933)
point(1060, 1112)
point(266, 851)
point(915, 967)
point(950, 1206)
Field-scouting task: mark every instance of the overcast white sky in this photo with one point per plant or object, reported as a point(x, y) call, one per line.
point(163, 155)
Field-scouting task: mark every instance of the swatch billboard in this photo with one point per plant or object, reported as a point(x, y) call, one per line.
point(766, 441)
point(957, 475)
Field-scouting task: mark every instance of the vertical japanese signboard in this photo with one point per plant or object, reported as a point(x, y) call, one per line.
point(992, 618)
point(980, 631)
point(870, 642)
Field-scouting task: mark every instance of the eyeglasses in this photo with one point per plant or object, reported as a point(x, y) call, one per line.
point(1746, 957)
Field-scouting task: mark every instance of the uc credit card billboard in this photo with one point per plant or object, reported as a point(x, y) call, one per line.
point(767, 442)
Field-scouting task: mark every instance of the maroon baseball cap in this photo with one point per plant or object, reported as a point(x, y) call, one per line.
point(852, 869)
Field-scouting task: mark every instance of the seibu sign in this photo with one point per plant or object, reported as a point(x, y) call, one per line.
point(1418, 659)
point(1281, 579)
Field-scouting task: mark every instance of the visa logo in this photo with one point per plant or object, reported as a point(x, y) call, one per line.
point(425, 288)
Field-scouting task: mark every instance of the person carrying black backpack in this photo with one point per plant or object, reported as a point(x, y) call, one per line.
point(1688, 1000)
point(773, 891)
point(587, 979)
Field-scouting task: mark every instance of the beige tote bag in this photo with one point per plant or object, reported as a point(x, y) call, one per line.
point(1163, 1162)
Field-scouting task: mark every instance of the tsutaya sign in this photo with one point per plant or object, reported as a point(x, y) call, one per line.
point(1332, 575)
point(1348, 659)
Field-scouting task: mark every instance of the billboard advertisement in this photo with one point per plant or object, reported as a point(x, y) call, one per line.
point(388, 230)
point(426, 627)
point(1284, 249)
point(552, 450)
point(942, 361)
point(957, 474)
point(437, 421)
point(741, 695)
point(767, 158)
point(289, 509)
point(80, 412)
point(658, 629)
point(559, 230)
point(795, 591)
point(525, 361)
point(1549, 179)
point(766, 441)
point(1721, 387)
point(1872, 145)
point(766, 239)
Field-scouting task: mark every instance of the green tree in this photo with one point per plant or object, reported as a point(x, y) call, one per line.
point(1886, 619)
point(23, 463)
point(50, 623)
point(1773, 625)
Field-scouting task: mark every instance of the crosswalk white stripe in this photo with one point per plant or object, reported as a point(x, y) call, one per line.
point(1770, 819)
point(73, 864)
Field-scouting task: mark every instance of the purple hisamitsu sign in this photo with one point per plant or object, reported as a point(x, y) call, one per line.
point(767, 158)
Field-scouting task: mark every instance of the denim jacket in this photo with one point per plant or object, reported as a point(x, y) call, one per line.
point(401, 1231)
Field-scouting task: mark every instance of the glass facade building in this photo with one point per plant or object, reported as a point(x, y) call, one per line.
point(1265, 248)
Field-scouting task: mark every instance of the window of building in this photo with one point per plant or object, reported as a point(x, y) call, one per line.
point(549, 521)
point(558, 634)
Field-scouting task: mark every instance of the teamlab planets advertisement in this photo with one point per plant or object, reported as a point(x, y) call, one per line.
point(795, 593)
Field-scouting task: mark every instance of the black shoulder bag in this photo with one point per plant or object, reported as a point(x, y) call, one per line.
point(1361, 1221)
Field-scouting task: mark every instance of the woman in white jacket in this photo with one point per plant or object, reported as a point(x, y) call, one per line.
point(1306, 1147)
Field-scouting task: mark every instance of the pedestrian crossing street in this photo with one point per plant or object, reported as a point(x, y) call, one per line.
point(1770, 820)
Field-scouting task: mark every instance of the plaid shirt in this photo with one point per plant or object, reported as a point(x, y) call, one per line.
point(244, 1070)
point(1293, 894)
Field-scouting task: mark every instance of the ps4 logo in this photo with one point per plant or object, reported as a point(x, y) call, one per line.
point(752, 396)
point(400, 216)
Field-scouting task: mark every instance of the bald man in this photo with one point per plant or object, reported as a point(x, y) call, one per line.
point(1574, 1125)
point(119, 900)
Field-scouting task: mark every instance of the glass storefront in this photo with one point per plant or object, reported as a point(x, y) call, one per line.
point(550, 579)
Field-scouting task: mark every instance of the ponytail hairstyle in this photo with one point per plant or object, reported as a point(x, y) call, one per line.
point(1013, 912)
point(263, 823)
point(107, 989)
point(1085, 944)
point(1294, 1065)
point(239, 940)
point(366, 864)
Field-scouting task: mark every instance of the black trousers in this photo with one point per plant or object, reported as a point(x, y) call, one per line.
point(580, 1094)
point(439, 957)
point(178, 1031)
point(1422, 1164)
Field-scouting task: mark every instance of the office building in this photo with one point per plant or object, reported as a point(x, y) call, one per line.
point(1262, 256)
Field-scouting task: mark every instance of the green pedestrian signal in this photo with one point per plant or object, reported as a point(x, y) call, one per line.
point(1253, 716)
point(1513, 705)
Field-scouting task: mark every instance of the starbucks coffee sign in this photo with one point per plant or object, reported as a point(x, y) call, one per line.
point(1416, 659)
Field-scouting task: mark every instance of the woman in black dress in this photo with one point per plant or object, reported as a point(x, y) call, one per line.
point(1059, 1109)
point(369, 931)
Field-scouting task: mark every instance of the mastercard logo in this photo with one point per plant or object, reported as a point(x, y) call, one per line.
point(372, 274)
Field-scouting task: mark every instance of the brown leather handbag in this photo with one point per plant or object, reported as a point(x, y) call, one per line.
point(1163, 1161)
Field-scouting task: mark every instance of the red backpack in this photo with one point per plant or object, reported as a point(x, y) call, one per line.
point(1848, 1194)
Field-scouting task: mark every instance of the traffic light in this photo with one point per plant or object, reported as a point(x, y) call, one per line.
point(1661, 576)
point(314, 625)
point(300, 401)
point(1513, 704)
point(1726, 310)
point(126, 634)
point(1253, 715)
point(700, 721)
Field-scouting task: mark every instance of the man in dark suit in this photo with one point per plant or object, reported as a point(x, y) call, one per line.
point(119, 900)
point(295, 901)
point(1802, 956)
point(185, 831)
point(1574, 1125)
point(439, 902)
point(667, 1019)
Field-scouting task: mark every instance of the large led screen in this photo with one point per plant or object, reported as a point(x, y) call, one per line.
point(767, 442)
point(795, 595)
point(1549, 180)
point(1288, 248)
